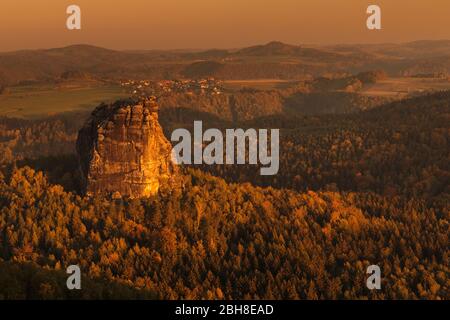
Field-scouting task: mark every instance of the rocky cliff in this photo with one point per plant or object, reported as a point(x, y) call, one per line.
point(122, 151)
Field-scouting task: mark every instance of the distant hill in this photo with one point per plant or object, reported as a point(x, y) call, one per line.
point(272, 48)
point(409, 51)
point(276, 48)
point(50, 64)
point(272, 60)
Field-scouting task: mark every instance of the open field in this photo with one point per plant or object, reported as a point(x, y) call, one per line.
point(260, 84)
point(404, 86)
point(35, 101)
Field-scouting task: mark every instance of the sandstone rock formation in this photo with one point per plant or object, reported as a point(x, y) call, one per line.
point(122, 151)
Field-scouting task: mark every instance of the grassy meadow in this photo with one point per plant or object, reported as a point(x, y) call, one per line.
point(401, 87)
point(41, 100)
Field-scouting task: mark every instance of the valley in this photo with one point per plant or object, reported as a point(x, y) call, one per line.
point(362, 178)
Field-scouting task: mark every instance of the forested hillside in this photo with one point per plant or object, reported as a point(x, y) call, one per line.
point(216, 240)
point(352, 190)
point(399, 149)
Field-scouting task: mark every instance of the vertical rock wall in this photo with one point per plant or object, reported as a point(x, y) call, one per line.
point(122, 150)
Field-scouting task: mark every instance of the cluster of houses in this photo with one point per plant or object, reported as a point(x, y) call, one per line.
point(209, 86)
point(136, 86)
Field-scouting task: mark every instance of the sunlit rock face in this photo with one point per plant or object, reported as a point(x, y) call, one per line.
point(122, 151)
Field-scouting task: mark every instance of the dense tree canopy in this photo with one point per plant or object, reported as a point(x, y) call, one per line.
point(353, 190)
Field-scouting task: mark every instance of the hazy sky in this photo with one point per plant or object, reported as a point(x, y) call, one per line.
point(169, 24)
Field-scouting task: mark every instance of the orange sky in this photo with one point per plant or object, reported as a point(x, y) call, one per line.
point(169, 24)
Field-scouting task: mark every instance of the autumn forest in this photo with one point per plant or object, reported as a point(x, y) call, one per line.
point(353, 189)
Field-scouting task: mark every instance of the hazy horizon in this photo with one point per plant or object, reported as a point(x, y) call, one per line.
point(201, 24)
point(199, 49)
